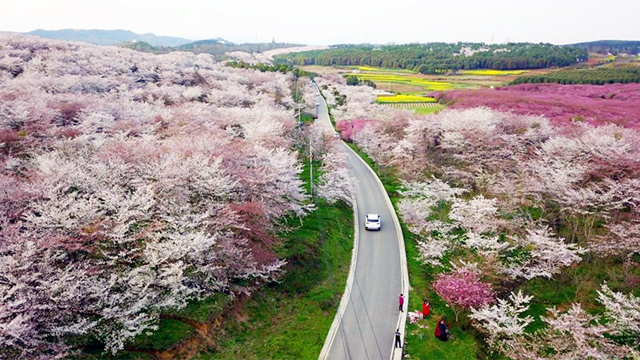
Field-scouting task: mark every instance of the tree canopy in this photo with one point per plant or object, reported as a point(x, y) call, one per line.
point(432, 58)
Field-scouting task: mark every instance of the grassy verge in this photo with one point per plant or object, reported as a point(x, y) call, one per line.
point(290, 320)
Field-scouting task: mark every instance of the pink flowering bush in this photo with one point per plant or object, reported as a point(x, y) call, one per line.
point(349, 127)
point(462, 290)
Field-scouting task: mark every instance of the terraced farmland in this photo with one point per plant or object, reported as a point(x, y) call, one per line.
point(413, 105)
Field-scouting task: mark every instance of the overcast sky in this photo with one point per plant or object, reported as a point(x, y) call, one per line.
point(339, 21)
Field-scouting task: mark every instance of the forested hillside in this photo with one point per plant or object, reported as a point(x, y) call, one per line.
point(614, 47)
point(216, 47)
point(597, 76)
point(432, 58)
point(132, 184)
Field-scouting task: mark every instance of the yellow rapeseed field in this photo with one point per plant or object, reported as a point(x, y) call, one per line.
point(383, 70)
point(405, 99)
point(487, 72)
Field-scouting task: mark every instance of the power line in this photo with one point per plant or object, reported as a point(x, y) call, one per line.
point(344, 343)
point(369, 318)
point(359, 328)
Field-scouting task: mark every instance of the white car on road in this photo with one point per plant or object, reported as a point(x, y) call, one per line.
point(372, 222)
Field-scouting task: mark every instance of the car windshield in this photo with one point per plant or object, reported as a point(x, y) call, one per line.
point(373, 220)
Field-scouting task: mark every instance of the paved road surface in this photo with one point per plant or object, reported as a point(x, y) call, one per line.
point(367, 325)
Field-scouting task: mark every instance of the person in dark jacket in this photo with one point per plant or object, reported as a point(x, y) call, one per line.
point(398, 341)
point(441, 331)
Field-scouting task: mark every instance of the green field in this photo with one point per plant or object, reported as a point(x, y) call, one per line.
point(383, 70)
point(428, 110)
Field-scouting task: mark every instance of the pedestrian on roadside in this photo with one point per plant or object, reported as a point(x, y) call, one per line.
point(398, 341)
point(441, 331)
point(425, 308)
point(401, 302)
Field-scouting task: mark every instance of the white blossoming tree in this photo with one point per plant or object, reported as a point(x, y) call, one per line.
point(622, 312)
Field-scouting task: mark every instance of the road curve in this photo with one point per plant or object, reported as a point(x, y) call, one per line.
point(368, 315)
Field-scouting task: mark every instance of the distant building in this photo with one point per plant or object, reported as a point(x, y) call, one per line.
point(382, 93)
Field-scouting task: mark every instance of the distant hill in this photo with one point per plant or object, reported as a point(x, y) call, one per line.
point(610, 46)
point(141, 46)
point(216, 47)
point(208, 42)
point(108, 37)
point(220, 46)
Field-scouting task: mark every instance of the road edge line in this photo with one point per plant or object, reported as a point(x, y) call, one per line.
point(344, 301)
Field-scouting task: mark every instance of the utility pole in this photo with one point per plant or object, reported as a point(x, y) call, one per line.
point(298, 105)
point(310, 169)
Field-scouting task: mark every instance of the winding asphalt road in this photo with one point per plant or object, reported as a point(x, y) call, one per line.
point(368, 316)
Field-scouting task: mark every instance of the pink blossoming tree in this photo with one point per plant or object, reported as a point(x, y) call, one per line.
point(462, 290)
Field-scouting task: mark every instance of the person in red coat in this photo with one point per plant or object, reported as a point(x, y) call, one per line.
point(425, 309)
point(400, 302)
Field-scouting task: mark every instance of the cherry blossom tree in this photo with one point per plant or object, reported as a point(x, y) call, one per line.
point(503, 321)
point(547, 255)
point(623, 240)
point(622, 312)
point(132, 184)
point(560, 103)
point(576, 334)
point(573, 334)
point(462, 289)
point(335, 183)
point(432, 249)
point(530, 173)
point(474, 215)
point(420, 198)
